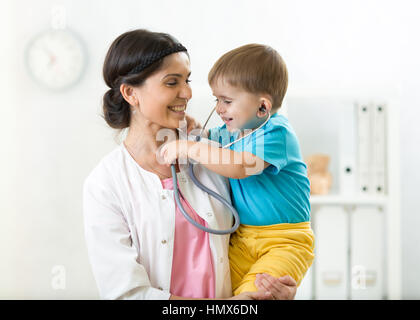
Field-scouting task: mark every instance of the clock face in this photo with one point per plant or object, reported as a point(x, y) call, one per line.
point(56, 59)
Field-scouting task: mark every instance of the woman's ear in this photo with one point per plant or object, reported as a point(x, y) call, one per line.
point(264, 108)
point(128, 94)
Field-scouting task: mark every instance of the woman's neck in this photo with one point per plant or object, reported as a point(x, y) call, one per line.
point(143, 140)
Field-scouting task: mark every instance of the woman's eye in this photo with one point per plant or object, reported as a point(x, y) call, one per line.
point(228, 102)
point(174, 83)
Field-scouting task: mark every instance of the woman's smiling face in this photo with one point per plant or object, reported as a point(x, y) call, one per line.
point(164, 95)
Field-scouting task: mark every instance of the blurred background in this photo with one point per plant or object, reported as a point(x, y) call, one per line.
point(344, 58)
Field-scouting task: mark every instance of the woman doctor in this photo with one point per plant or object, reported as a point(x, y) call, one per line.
point(139, 244)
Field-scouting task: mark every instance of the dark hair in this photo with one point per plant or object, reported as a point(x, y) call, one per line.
point(128, 51)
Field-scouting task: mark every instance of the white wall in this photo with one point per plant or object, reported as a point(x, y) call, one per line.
point(410, 157)
point(57, 138)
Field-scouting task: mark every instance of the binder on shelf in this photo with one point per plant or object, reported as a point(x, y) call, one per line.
point(367, 253)
point(379, 149)
point(347, 151)
point(331, 253)
point(364, 150)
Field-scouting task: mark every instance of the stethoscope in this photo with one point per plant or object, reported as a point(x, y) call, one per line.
point(205, 189)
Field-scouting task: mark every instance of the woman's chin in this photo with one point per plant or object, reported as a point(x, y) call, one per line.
point(177, 123)
point(176, 119)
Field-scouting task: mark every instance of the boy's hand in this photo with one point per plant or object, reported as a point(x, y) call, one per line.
point(174, 150)
point(283, 288)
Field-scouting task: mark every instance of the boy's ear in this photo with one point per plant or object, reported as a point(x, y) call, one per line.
point(265, 107)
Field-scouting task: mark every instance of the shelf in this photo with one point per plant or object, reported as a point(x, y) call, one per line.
point(348, 200)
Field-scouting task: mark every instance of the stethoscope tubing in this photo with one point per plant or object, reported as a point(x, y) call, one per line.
point(209, 191)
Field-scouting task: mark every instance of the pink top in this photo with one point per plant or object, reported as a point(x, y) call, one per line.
point(192, 266)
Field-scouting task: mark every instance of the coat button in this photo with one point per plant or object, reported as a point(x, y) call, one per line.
point(163, 241)
point(163, 197)
point(160, 288)
point(209, 214)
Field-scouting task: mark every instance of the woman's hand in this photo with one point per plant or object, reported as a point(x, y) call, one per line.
point(191, 123)
point(283, 288)
point(258, 295)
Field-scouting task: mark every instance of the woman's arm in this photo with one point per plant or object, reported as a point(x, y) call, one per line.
point(111, 254)
point(258, 295)
point(269, 288)
point(226, 162)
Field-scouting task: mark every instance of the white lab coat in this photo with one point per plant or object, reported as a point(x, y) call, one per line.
point(130, 222)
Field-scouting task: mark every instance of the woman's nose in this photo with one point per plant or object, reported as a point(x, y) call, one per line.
point(186, 92)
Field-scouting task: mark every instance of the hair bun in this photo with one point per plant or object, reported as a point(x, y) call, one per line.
point(116, 109)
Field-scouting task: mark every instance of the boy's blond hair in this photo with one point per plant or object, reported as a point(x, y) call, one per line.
point(255, 68)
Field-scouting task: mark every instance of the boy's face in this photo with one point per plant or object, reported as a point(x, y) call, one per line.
point(235, 106)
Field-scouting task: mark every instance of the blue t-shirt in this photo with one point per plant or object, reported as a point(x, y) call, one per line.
point(279, 193)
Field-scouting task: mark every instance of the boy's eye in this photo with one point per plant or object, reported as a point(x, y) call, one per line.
point(225, 101)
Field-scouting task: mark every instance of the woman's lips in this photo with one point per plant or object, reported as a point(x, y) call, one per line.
point(179, 109)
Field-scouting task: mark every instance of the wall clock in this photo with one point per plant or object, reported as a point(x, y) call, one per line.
point(56, 59)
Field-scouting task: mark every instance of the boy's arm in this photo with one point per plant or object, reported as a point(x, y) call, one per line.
point(226, 162)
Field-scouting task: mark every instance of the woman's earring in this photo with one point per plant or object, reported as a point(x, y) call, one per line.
point(133, 109)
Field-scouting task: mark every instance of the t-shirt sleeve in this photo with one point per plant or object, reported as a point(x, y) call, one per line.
point(220, 135)
point(270, 146)
point(214, 134)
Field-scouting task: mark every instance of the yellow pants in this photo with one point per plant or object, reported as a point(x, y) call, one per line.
point(279, 250)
